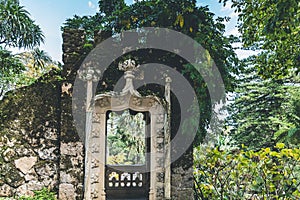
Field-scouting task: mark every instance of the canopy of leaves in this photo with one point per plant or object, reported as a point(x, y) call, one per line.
point(267, 98)
point(17, 29)
point(265, 111)
point(272, 27)
point(10, 66)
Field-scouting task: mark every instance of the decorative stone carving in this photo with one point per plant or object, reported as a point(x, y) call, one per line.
point(119, 100)
point(103, 102)
point(89, 74)
point(95, 193)
point(137, 101)
point(128, 65)
point(95, 133)
point(160, 119)
point(95, 163)
point(95, 148)
point(151, 102)
point(96, 117)
point(95, 178)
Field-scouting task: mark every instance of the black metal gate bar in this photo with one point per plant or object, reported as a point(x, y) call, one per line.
point(127, 182)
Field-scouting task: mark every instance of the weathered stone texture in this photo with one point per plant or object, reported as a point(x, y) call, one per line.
point(182, 177)
point(71, 147)
point(29, 131)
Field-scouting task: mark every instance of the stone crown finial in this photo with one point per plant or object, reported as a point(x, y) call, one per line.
point(128, 65)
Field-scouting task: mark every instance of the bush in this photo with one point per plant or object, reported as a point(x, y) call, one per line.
point(246, 174)
point(44, 194)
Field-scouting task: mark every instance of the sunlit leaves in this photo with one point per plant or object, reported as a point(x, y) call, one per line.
point(273, 27)
point(270, 173)
point(17, 29)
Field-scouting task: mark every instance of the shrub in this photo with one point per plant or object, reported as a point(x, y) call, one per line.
point(246, 174)
point(44, 194)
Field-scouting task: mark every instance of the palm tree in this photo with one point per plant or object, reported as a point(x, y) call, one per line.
point(17, 29)
point(40, 58)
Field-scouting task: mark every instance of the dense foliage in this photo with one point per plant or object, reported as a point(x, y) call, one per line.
point(17, 29)
point(266, 108)
point(10, 66)
point(272, 27)
point(270, 173)
point(265, 111)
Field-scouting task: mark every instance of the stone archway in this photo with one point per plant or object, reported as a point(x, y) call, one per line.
point(129, 98)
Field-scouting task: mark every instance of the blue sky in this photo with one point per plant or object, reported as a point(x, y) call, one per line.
point(51, 14)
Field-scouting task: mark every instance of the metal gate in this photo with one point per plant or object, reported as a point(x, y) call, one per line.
point(126, 182)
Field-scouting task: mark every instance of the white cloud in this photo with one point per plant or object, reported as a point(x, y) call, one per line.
point(234, 31)
point(91, 5)
point(241, 53)
point(233, 14)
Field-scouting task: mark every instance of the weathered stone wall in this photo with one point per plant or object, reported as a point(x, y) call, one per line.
point(29, 135)
point(71, 147)
point(182, 177)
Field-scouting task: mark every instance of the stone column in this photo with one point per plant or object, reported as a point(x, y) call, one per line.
point(168, 140)
point(89, 75)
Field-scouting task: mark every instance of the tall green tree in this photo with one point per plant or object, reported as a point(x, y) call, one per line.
point(265, 111)
point(267, 103)
point(17, 29)
point(273, 28)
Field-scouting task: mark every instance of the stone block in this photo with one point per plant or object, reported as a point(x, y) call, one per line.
point(25, 164)
point(66, 192)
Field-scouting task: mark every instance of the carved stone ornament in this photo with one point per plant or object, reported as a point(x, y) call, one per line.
point(103, 102)
point(129, 66)
point(95, 148)
point(137, 101)
point(95, 133)
point(95, 163)
point(89, 74)
point(95, 193)
point(96, 117)
point(95, 178)
point(120, 100)
point(160, 119)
